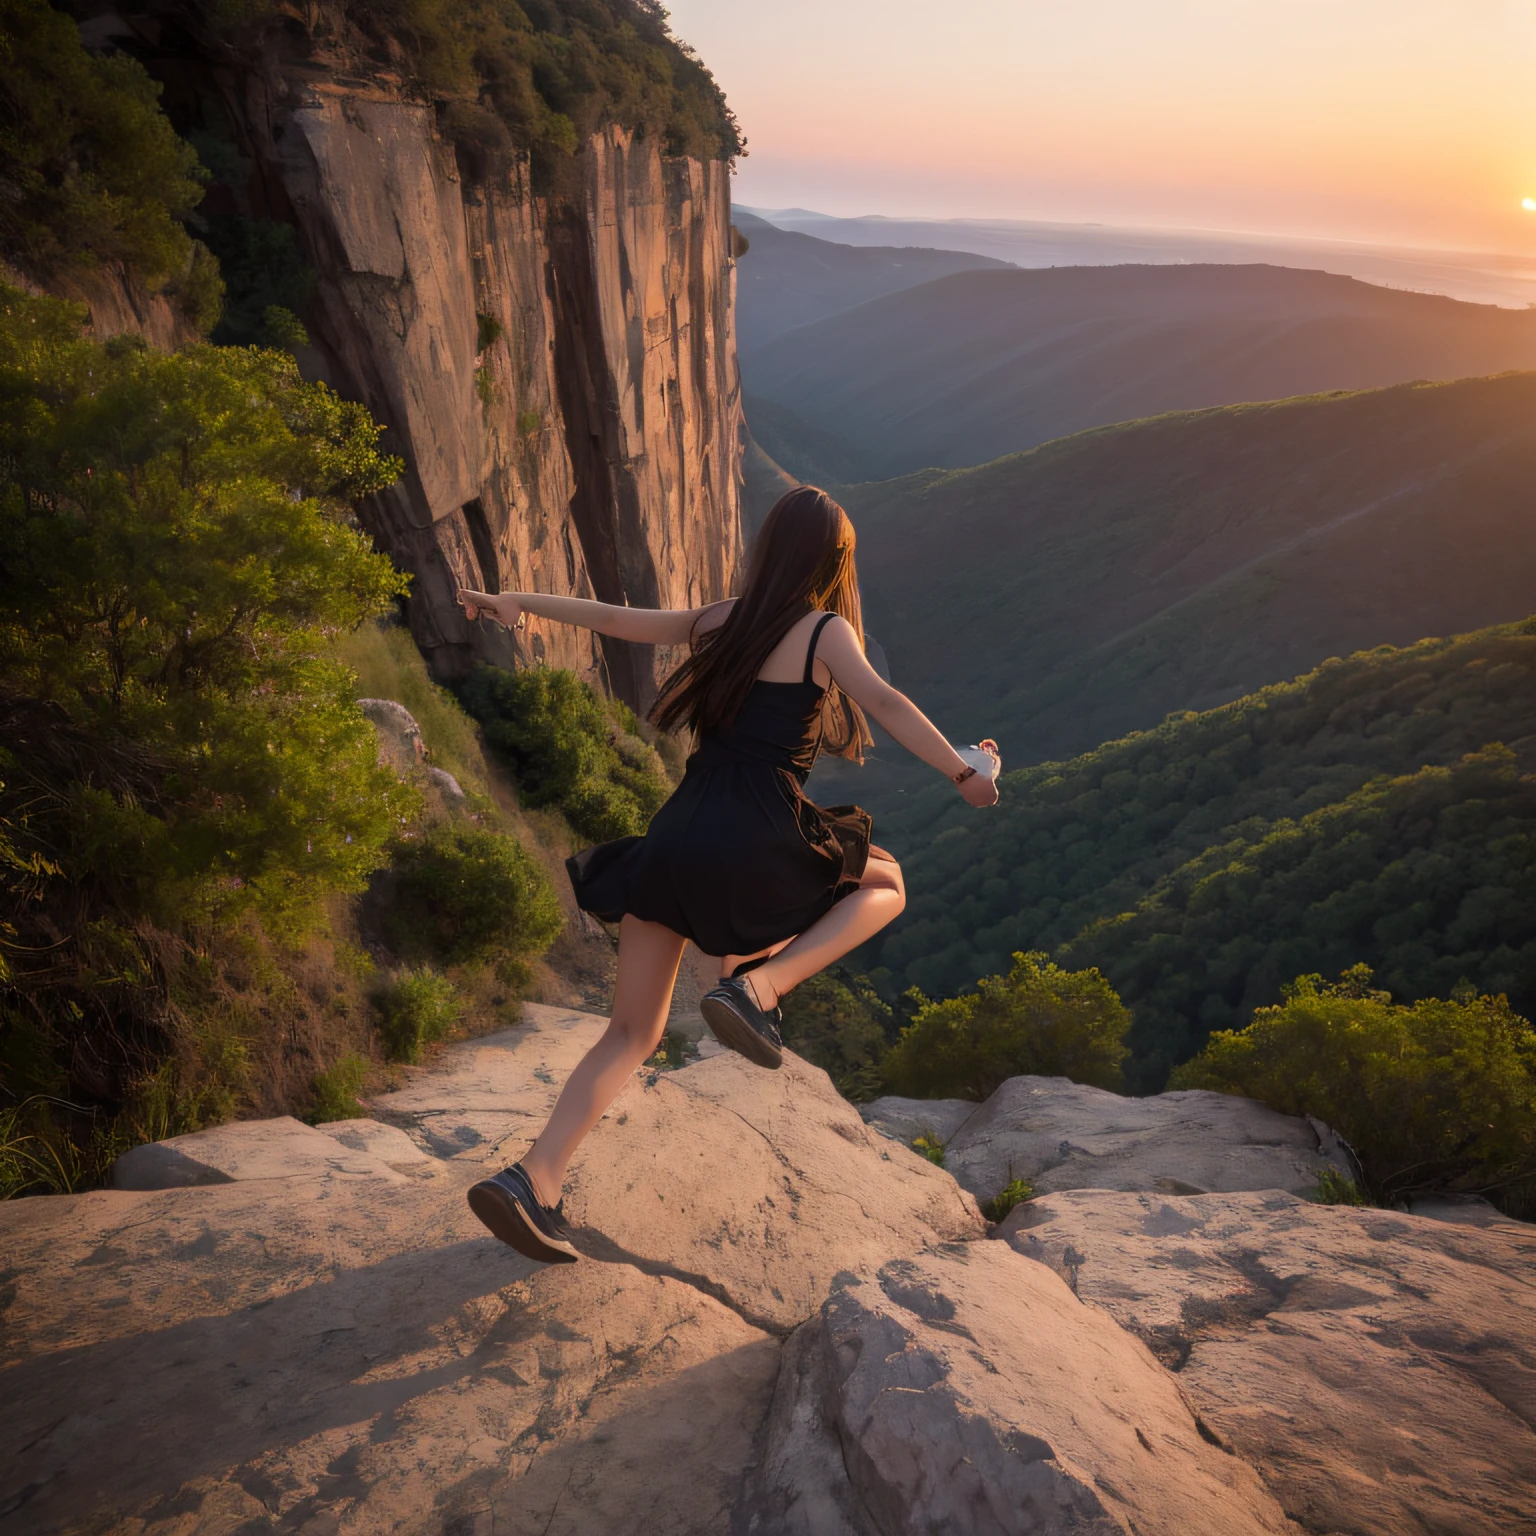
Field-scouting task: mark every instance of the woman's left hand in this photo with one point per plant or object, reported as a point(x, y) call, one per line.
point(503, 607)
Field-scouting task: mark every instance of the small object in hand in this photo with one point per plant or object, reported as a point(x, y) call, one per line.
point(982, 758)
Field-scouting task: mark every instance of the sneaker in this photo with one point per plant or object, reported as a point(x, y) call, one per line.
point(737, 1022)
point(507, 1205)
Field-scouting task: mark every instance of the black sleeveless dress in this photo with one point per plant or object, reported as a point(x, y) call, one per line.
point(738, 859)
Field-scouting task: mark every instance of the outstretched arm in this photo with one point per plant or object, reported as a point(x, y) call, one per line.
point(901, 718)
point(650, 626)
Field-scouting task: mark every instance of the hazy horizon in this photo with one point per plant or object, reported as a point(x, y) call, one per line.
point(1404, 123)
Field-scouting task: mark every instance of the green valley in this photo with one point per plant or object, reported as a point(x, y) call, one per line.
point(1360, 814)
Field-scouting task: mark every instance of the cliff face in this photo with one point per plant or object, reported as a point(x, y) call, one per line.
point(592, 447)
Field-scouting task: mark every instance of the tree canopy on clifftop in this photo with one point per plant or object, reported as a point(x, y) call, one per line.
point(545, 75)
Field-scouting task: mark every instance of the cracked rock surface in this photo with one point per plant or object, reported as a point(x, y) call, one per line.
point(785, 1324)
point(1379, 1369)
point(968, 1390)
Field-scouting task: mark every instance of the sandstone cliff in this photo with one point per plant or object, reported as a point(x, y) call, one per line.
point(558, 373)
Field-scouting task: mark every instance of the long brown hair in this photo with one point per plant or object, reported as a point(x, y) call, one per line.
point(802, 561)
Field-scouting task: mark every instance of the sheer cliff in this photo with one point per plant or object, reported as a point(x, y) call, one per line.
point(556, 363)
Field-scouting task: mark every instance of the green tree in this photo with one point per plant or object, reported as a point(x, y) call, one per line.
point(92, 168)
point(176, 543)
point(1038, 1019)
point(1432, 1095)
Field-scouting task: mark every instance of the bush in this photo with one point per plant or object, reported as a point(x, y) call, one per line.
point(837, 1022)
point(570, 748)
point(929, 1146)
point(91, 167)
point(1039, 1019)
point(335, 1091)
point(1433, 1095)
point(417, 1008)
point(466, 893)
point(182, 762)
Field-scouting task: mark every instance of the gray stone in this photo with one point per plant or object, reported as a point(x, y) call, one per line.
point(1377, 1368)
point(904, 1120)
point(448, 788)
point(400, 743)
point(283, 1148)
point(1059, 1135)
point(964, 1390)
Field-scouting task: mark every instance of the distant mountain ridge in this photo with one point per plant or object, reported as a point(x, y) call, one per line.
point(966, 368)
point(787, 279)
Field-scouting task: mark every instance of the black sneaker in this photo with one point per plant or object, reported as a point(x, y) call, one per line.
point(506, 1204)
point(737, 1022)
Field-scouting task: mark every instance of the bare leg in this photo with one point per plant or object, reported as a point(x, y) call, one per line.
point(648, 961)
point(878, 901)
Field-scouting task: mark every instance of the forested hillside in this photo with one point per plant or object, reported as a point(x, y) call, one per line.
point(968, 367)
point(1360, 814)
point(1059, 598)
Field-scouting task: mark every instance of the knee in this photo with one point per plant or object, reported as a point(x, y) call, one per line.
point(638, 1034)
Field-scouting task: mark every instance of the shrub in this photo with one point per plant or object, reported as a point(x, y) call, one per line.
point(929, 1146)
point(1014, 1192)
point(181, 759)
point(570, 748)
point(466, 893)
point(1038, 1019)
point(334, 1096)
point(1432, 1095)
point(417, 1008)
point(837, 1022)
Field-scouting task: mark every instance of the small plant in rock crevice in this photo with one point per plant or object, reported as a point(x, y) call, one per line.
point(1014, 1192)
point(1335, 1188)
point(928, 1145)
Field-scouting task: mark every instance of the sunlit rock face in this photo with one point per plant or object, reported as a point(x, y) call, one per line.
point(557, 372)
point(559, 377)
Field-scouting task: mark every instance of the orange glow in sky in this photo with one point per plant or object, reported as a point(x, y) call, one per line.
point(1410, 121)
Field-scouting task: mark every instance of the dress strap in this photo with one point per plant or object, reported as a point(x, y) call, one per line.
point(810, 653)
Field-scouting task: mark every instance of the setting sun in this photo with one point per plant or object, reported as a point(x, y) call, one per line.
point(1529, 204)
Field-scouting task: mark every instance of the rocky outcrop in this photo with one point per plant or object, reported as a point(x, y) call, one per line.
point(965, 1390)
point(782, 1323)
point(559, 375)
point(1057, 1134)
point(1378, 1369)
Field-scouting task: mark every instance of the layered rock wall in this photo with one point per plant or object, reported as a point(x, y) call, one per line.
point(559, 374)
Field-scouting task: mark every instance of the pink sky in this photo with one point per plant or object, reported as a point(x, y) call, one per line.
point(1410, 121)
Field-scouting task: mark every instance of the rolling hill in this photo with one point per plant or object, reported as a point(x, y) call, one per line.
point(1059, 598)
point(1357, 814)
point(787, 279)
point(968, 367)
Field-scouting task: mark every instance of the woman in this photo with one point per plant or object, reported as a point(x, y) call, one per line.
point(738, 860)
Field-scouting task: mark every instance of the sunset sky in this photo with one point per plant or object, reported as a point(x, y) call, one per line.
point(1409, 121)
